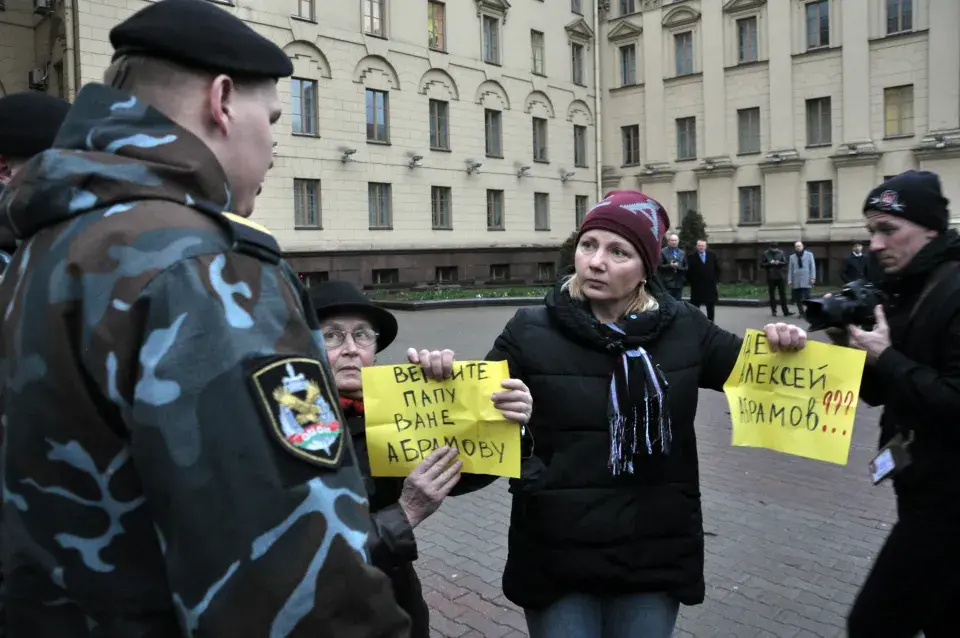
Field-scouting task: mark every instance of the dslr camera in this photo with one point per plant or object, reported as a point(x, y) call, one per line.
point(853, 305)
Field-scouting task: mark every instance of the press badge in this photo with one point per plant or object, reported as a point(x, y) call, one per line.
point(893, 458)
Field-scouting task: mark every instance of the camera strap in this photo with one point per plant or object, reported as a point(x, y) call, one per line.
point(939, 275)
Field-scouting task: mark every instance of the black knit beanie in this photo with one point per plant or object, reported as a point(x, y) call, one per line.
point(915, 196)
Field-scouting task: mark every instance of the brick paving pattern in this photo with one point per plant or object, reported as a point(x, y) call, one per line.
point(788, 540)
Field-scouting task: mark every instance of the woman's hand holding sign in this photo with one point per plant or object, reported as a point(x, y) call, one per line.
point(784, 336)
point(515, 401)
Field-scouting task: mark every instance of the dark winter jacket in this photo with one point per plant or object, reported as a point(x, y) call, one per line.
point(574, 527)
point(774, 270)
point(917, 380)
point(393, 547)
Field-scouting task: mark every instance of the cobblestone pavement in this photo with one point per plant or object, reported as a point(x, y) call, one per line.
point(788, 539)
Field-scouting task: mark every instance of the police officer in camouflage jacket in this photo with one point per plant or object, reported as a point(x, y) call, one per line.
point(175, 463)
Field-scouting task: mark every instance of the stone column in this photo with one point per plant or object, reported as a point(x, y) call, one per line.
point(781, 75)
point(856, 70)
point(943, 80)
point(714, 93)
point(655, 123)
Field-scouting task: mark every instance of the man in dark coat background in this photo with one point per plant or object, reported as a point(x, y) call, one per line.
point(673, 267)
point(855, 265)
point(774, 261)
point(703, 273)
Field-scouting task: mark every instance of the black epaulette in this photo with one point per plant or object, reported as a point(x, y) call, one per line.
point(253, 239)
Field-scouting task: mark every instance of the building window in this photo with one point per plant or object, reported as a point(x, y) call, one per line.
point(379, 200)
point(495, 210)
point(540, 140)
point(751, 205)
point(899, 16)
point(820, 201)
point(491, 40)
point(630, 136)
point(686, 138)
point(440, 206)
point(439, 125)
point(580, 209)
point(385, 276)
point(499, 272)
point(748, 127)
point(627, 7)
point(576, 61)
point(546, 271)
point(683, 50)
point(541, 211)
point(898, 110)
point(580, 146)
point(493, 132)
point(378, 113)
point(303, 106)
point(436, 26)
point(576, 6)
point(373, 17)
point(819, 122)
point(687, 202)
point(306, 203)
point(747, 50)
point(628, 65)
point(306, 9)
point(309, 279)
point(537, 49)
point(818, 24)
point(446, 274)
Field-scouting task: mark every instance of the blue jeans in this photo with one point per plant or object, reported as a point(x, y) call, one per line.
point(585, 616)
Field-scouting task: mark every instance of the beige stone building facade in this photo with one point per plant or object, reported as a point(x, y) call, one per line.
point(429, 140)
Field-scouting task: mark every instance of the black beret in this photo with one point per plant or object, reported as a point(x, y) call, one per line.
point(913, 195)
point(29, 122)
point(199, 35)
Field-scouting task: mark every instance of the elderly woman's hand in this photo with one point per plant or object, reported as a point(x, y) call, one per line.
point(783, 336)
point(515, 402)
point(436, 364)
point(429, 483)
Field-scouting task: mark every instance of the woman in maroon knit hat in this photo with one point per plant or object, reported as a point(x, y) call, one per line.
point(606, 532)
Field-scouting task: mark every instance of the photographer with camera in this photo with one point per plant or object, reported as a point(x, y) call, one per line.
point(913, 370)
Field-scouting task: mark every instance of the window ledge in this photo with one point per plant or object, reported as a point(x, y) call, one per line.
point(442, 228)
point(495, 230)
point(489, 156)
point(750, 224)
point(539, 74)
point(746, 65)
point(899, 136)
point(310, 135)
point(631, 165)
point(432, 50)
point(541, 230)
point(308, 227)
point(678, 79)
point(378, 143)
point(440, 150)
point(625, 87)
point(375, 35)
point(820, 221)
point(541, 161)
point(819, 145)
point(302, 19)
point(685, 159)
point(581, 165)
point(381, 228)
point(898, 35)
point(749, 153)
point(817, 51)
point(492, 63)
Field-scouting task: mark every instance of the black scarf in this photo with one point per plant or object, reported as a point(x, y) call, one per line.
point(638, 388)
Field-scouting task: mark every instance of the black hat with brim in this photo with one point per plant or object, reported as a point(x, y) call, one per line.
point(199, 35)
point(335, 298)
point(29, 122)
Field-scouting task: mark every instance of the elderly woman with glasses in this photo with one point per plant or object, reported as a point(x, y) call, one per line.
point(354, 330)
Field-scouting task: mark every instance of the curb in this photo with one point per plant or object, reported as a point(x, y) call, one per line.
point(489, 302)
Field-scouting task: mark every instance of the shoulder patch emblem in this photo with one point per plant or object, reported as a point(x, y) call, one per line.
point(296, 398)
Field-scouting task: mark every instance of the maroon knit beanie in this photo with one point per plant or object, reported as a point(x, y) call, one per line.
point(639, 219)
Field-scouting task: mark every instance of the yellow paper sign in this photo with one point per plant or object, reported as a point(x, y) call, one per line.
point(408, 416)
point(800, 403)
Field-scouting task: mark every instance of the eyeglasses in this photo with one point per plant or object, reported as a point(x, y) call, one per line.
point(362, 337)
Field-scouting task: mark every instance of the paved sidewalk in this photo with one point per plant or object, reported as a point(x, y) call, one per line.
point(788, 540)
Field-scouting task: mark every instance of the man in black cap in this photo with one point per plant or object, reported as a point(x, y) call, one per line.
point(176, 462)
point(913, 370)
point(28, 123)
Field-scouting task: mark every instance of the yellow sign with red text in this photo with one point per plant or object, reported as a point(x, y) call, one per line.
point(800, 403)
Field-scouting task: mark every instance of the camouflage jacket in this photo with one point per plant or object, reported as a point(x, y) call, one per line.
point(174, 459)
